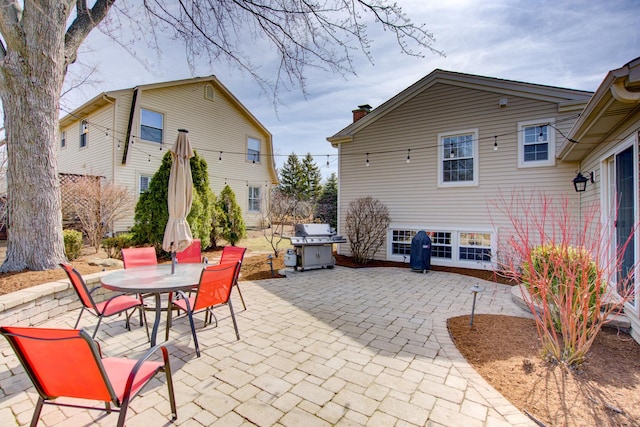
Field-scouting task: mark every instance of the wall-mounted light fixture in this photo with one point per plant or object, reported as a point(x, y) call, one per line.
point(580, 181)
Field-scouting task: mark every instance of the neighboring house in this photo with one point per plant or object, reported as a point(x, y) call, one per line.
point(607, 151)
point(438, 153)
point(122, 135)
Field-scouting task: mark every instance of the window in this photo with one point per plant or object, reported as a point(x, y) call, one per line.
point(536, 144)
point(63, 139)
point(458, 164)
point(253, 150)
point(475, 247)
point(151, 126)
point(448, 247)
point(209, 93)
point(145, 180)
point(84, 130)
point(254, 199)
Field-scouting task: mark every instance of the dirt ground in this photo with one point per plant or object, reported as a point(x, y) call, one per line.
point(606, 392)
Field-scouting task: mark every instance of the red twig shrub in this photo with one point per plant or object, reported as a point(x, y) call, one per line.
point(562, 255)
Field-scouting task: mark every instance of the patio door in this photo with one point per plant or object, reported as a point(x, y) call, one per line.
point(620, 196)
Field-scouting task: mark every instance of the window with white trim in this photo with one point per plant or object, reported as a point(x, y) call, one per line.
point(536, 143)
point(458, 165)
point(63, 139)
point(145, 180)
point(254, 199)
point(151, 126)
point(84, 131)
point(474, 247)
point(253, 150)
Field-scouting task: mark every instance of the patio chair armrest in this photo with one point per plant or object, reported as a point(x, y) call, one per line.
point(145, 357)
point(183, 295)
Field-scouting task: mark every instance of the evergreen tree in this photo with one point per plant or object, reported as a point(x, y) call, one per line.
point(312, 178)
point(327, 206)
point(152, 212)
point(231, 223)
point(292, 177)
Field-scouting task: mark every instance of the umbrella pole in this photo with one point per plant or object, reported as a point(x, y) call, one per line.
point(173, 260)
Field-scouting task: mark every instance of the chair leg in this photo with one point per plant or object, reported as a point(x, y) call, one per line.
point(193, 331)
point(241, 298)
point(233, 317)
point(95, 331)
point(36, 412)
point(172, 397)
point(79, 316)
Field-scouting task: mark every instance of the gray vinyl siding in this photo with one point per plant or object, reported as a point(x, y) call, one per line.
point(411, 191)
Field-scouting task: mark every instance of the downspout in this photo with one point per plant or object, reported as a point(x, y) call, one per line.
point(130, 125)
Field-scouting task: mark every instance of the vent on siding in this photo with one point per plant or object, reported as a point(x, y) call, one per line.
point(209, 93)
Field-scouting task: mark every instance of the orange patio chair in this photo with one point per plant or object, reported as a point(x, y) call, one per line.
point(214, 290)
point(234, 254)
point(191, 254)
point(67, 363)
point(139, 257)
point(117, 304)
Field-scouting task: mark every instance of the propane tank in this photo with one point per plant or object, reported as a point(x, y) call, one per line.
point(290, 258)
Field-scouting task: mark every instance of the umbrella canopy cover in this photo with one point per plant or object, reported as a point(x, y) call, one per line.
point(177, 234)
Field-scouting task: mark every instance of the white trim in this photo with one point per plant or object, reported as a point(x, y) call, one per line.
point(140, 177)
point(455, 231)
point(162, 129)
point(551, 143)
point(476, 159)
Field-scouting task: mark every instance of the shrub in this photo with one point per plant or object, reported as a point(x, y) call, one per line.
point(231, 223)
point(114, 245)
point(366, 227)
point(565, 276)
point(562, 256)
point(73, 243)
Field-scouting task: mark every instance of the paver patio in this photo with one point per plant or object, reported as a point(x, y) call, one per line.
point(343, 347)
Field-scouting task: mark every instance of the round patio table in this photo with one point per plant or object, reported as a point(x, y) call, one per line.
point(156, 280)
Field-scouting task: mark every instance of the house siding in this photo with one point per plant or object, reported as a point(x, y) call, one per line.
point(411, 191)
point(214, 126)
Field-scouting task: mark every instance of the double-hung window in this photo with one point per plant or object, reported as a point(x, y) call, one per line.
point(458, 164)
point(63, 139)
point(151, 126)
point(536, 143)
point(254, 199)
point(253, 150)
point(145, 180)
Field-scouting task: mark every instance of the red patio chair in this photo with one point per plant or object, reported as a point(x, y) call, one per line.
point(139, 257)
point(117, 304)
point(214, 290)
point(67, 363)
point(191, 254)
point(234, 254)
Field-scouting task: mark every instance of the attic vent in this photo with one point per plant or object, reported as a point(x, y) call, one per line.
point(209, 93)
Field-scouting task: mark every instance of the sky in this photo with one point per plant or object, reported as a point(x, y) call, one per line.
point(571, 44)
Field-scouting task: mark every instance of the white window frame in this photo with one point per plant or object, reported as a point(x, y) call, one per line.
point(441, 158)
point(84, 133)
point(63, 139)
point(551, 143)
point(257, 200)
point(141, 178)
point(209, 92)
point(455, 243)
point(142, 110)
point(253, 155)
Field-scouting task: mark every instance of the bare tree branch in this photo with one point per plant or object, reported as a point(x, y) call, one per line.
point(86, 20)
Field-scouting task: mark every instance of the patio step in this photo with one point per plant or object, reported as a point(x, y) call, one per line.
point(619, 321)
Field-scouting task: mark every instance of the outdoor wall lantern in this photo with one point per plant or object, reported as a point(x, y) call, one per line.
point(580, 182)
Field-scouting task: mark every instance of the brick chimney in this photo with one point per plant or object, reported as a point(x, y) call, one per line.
point(362, 111)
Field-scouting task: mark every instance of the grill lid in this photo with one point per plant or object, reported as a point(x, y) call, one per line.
point(308, 230)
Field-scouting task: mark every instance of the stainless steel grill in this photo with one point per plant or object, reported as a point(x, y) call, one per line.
point(314, 245)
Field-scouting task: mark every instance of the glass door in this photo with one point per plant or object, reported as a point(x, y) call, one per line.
point(625, 219)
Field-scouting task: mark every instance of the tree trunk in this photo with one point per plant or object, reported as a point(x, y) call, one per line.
point(33, 72)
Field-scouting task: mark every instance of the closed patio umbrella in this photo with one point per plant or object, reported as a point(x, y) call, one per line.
point(177, 234)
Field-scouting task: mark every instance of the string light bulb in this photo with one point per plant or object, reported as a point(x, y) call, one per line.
point(220, 157)
point(366, 163)
point(254, 161)
point(495, 143)
point(409, 155)
point(327, 160)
